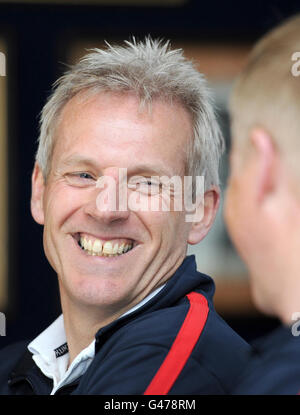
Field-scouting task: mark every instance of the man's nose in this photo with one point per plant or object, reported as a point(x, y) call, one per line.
point(109, 201)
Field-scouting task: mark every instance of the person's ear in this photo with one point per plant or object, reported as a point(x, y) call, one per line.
point(37, 193)
point(208, 208)
point(265, 160)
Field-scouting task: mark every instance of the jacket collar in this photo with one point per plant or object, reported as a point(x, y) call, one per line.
point(185, 279)
point(27, 373)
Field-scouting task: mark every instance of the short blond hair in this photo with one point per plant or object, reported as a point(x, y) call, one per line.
point(267, 92)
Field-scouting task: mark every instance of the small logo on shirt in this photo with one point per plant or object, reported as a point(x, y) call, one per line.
point(61, 350)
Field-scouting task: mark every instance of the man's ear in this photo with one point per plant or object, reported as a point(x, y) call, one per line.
point(265, 159)
point(210, 206)
point(37, 193)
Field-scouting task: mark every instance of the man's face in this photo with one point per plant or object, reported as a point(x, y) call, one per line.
point(240, 212)
point(238, 201)
point(94, 138)
point(248, 223)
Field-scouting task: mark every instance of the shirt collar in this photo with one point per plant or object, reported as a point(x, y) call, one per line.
point(49, 340)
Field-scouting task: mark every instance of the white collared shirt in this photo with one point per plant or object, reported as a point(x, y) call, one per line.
point(50, 351)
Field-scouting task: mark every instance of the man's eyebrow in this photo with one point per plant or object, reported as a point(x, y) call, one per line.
point(142, 168)
point(155, 170)
point(76, 159)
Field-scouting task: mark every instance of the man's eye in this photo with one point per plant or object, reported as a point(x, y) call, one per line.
point(80, 179)
point(147, 183)
point(84, 176)
point(144, 185)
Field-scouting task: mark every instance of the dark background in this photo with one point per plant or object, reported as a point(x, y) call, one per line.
point(38, 37)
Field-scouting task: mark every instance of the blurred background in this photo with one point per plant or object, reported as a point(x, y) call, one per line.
point(37, 40)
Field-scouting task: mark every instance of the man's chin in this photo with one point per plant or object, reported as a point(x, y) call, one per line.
point(91, 291)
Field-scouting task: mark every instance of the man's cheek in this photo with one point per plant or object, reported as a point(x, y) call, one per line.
point(229, 207)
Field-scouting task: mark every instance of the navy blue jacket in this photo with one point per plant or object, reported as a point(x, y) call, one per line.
point(274, 368)
point(175, 343)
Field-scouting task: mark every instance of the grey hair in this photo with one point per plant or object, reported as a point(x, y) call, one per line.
point(151, 70)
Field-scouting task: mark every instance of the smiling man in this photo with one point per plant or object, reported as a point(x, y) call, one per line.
point(137, 316)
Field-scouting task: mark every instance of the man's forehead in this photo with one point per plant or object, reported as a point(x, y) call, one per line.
point(72, 123)
point(87, 100)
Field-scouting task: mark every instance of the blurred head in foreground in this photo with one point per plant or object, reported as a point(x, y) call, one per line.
point(262, 207)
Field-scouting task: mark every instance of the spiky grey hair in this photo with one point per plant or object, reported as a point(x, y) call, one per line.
point(151, 70)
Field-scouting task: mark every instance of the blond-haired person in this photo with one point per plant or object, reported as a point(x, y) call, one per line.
point(262, 207)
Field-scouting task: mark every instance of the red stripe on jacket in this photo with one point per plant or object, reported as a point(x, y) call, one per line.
point(182, 346)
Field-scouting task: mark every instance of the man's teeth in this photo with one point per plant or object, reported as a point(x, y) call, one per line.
point(108, 248)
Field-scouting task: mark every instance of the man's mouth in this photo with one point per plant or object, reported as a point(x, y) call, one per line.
point(104, 248)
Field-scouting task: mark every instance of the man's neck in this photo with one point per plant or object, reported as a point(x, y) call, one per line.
point(289, 307)
point(289, 302)
point(286, 293)
point(81, 325)
point(83, 322)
